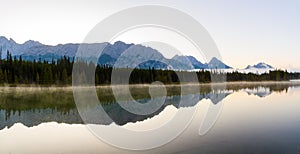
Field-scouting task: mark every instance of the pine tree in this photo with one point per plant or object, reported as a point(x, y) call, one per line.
point(5, 77)
point(37, 78)
point(64, 76)
point(1, 76)
point(16, 79)
point(47, 75)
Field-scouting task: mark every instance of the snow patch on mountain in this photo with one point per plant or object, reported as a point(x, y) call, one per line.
point(260, 65)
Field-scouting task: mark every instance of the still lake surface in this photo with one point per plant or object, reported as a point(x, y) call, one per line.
point(255, 118)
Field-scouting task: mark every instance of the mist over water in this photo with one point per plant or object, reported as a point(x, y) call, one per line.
point(255, 118)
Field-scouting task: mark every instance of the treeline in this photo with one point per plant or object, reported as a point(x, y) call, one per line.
point(13, 70)
point(276, 75)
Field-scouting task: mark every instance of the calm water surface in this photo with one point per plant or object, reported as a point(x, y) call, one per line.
point(255, 118)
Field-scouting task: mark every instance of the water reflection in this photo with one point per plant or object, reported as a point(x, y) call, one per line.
point(261, 91)
point(248, 123)
point(34, 108)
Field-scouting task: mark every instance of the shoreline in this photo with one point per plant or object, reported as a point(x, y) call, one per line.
point(70, 87)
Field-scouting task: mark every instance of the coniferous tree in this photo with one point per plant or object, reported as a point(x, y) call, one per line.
point(64, 76)
point(37, 78)
point(16, 79)
point(5, 77)
point(1, 76)
point(16, 70)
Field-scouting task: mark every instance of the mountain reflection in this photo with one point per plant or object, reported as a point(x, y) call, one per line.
point(264, 91)
point(34, 108)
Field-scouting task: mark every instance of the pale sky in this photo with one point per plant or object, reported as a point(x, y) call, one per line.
point(246, 31)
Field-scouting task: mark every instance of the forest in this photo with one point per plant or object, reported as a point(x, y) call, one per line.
point(14, 71)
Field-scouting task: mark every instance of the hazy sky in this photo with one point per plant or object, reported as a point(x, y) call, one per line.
point(245, 31)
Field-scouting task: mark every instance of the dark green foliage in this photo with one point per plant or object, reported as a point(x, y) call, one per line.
point(276, 75)
point(1, 77)
point(14, 70)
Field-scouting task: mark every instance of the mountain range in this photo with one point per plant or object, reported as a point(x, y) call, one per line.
point(260, 65)
point(118, 54)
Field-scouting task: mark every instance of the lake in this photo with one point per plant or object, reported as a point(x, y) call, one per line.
point(258, 117)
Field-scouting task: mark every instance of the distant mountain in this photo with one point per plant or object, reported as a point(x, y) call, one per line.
point(195, 64)
point(106, 59)
point(34, 50)
point(191, 61)
point(18, 49)
point(116, 49)
point(138, 54)
point(154, 64)
point(118, 54)
point(260, 66)
point(216, 63)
